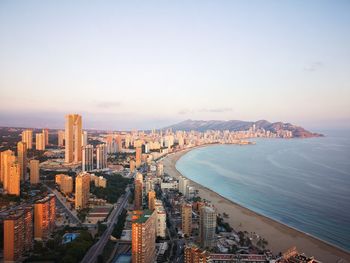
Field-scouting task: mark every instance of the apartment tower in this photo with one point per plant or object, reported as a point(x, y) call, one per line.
point(73, 143)
point(82, 190)
point(22, 159)
point(143, 244)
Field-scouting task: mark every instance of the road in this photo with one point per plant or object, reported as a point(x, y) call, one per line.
point(97, 248)
point(73, 217)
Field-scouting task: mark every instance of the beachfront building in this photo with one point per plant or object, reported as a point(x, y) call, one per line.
point(195, 255)
point(186, 216)
point(183, 183)
point(207, 226)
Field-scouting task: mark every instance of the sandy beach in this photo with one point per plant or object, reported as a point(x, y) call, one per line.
point(279, 236)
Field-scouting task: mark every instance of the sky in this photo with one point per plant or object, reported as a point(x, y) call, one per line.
point(148, 64)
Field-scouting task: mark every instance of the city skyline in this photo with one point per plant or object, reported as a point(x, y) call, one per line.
point(144, 66)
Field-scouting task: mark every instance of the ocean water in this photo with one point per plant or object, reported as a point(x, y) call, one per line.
point(303, 183)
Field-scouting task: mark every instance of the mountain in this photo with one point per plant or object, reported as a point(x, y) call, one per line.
point(236, 125)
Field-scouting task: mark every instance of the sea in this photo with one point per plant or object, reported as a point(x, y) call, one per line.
point(303, 183)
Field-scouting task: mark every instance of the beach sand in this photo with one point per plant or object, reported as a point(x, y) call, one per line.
point(280, 237)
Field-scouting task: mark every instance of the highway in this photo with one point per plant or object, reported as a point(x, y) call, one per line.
point(97, 248)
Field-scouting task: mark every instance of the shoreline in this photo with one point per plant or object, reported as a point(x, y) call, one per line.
point(279, 235)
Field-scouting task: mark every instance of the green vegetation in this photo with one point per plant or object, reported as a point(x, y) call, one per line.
point(116, 185)
point(220, 223)
point(55, 251)
point(119, 226)
point(82, 214)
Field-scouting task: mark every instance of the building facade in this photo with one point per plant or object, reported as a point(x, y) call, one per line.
point(143, 228)
point(34, 172)
point(82, 190)
point(186, 216)
point(207, 226)
point(88, 158)
point(44, 217)
point(73, 143)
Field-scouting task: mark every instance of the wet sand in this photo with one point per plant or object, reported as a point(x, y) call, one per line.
point(279, 236)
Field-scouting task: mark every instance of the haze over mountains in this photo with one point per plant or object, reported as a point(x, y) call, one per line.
point(237, 125)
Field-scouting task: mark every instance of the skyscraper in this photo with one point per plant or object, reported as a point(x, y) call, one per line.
point(34, 172)
point(82, 190)
point(207, 225)
point(151, 200)
point(183, 183)
point(138, 156)
point(22, 159)
point(88, 158)
point(46, 136)
point(27, 137)
point(186, 215)
point(40, 141)
point(132, 166)
point(14, 178)
point(101, 156)
point(44, 217)
point(73, 131)
point(65, 182)
point(160, 219)
point(18, 233)
point(138, 196)
point(60, 138)
point(7, 159)
point(84, 138)
point(143, 236)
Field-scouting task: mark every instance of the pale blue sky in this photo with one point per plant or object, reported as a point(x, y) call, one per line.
point(144, 64)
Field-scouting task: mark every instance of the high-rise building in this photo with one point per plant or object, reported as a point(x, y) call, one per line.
point(160, 169)
point(183, 183)
point(151, 200)
point(22, 159)
point(7, 159)
point(195, 255)
point(18, 234)
point(44, 217)
point(101, 156)
point(138, 156)
point(82, 190)
point(60, 138)
point(65, 182)
point(88, 158)
point(27, 137)
point(40, 141)
point(138, 195)
point(186, 216)
point(160, 219)
point(207, 226)
point(73, 130)
point(143, 236)
point(84, 138)
point(34, 172)
point(46, 136)
point(132, 166)
point(14, 179)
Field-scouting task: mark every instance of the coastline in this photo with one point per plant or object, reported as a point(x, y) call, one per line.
point(280, 236)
